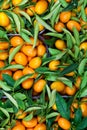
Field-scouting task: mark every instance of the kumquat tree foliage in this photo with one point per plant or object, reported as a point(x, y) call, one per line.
point(43, 64)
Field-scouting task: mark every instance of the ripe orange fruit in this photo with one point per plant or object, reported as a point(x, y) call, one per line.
point(4, 19)
point(70, 91)
point(83, 45)
point(64, 123)
point(30, 11)
point(18, 127)
point(86, 10)
point(60, 44)
point(59, 26)
point(57, 85)
point(50, 0)
point(72, 23)
point(78, 82)
point(28, 70)
point(21, 58)
point(31, 123)
point(39, 85)
point(27, 84)
point(65, 16)
point(54, 107)
point(20, 114)
point(41, 50)
point(35, 62)
point(53, 65)
point(16, 2)
point(29, 129)
point(3, 55)
point(84, 99)
point(74, 106)
point(40, 126)
point(2, 64)
point(17, 74)
point(83, 24)
point(68, 0)
point(70, 74)
point(83, 107)
point(16, 40)
point(4, 45)
point(29, 50)
point(41, 7)
point(9, 28)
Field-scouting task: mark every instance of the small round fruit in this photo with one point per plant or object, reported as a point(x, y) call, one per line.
point(4, 19)
point(83, 107)
point(3, 55)
point(58, 86)
point(64, 123)
point(4, 45)
point(59, 27)
point(27, 84)
point(70, 91)
point(41, 50)
point(39, 85)
point(20, 114)
point(17, 74)
point(65, 16)
point(72, 23)
point(31, 123)
point(35, 62)
point(16, 2)
point(18, 127)
point(41, 7)
point(30, 11)
point(83, 45)
point(21, 58)
point(60, 44)
point(40, 126)
point(16, 40)
point(29, 50)
point(78, 82)
point(53, 65)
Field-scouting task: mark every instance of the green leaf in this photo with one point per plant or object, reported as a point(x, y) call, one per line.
point(3, 34)
point(4, 86)
point(65, 81)
point(9, 80)
point(40, 20)
point(63, 2)
point(82, 65)
point(23, 2)
point(11, 99)
point(20, 96)
point(20, 80)
point(36, 32)
point(53, 51)
point(25, 36)
point(49, 15)
point(83, 14)
point(5, 112)
point(51, 115)
point(26, 16)
point(15, 66)
point(69, 41)
point(58, 35)
point(69, 69)
point(78, 116)
point(76, 35)
point(29, 117)
point(48, 91)
point(15, 50)
point(26, 32)
point(21, 104)
point(62, 106)
point(17, 20)
point(54, 57)
point(82, 125)
point(33, 109)
point(52, 98)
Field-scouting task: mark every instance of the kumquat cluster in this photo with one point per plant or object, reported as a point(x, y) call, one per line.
point(43, 64)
